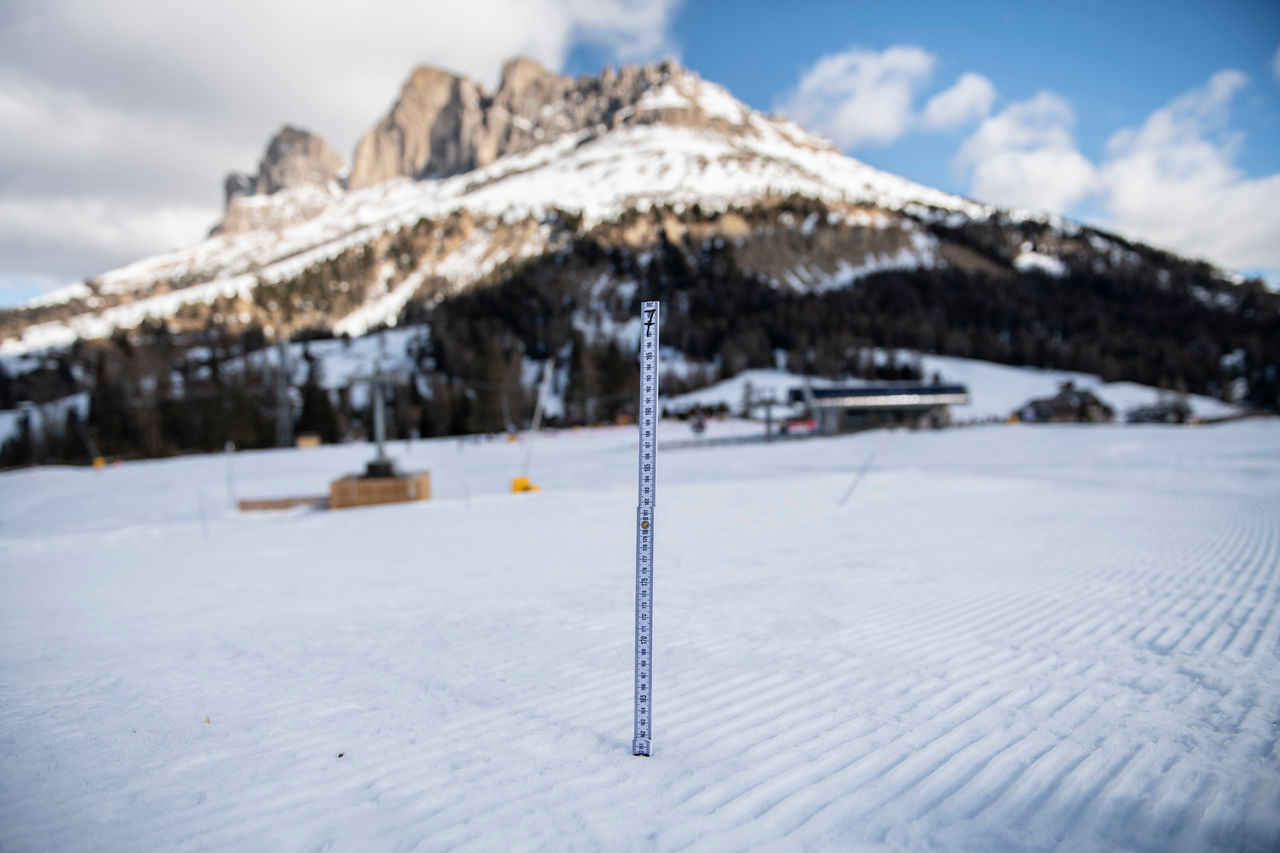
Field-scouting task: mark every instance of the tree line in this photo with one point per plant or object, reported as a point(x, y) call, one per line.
point(1165, 322)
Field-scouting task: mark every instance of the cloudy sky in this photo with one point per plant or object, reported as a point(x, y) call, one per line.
point(1158, 120)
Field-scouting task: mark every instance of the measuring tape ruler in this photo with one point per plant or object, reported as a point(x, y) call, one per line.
point(648, 493)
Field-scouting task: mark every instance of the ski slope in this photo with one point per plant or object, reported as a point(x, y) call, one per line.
point(1007, 638)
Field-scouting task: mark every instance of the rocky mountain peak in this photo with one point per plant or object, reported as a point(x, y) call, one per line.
point(295, 159)
point(523, 77)
point(428, 132)
point(444, 124)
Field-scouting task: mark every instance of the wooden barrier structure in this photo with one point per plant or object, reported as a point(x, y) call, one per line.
point(258, 504)
point(353, 490)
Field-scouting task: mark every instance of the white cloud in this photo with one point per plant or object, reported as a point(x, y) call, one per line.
point(969, 98)
point(860, 96)
point(1172, 183)
point(1275, 65)
point(34, 233)
point(334, 67)
point(634, 29)
point(148, 99)
point(58, 139)
point(1025, 156)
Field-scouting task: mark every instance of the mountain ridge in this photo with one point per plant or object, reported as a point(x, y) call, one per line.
point(762, 237)
point(679, 140)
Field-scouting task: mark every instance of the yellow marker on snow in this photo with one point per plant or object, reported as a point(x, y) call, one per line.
point(522, 484)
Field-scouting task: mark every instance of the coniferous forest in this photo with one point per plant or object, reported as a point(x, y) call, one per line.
point(153, 391)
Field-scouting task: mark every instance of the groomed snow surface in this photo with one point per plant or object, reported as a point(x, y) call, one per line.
point(1006, 638)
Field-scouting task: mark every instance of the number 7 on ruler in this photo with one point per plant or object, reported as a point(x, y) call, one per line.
point(648, 493)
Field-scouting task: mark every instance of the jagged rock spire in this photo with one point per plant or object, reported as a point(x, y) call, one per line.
point(294, 158)
point(444, 124)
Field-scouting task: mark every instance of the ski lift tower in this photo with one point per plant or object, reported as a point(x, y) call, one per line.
point(381, 482)
point(380, 465)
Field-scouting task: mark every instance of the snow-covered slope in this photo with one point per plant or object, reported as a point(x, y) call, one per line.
point(53, 413)
point(1007, 639)
point(601, 176)
point(742, 158)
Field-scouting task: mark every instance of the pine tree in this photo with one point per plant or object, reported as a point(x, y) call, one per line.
point(318, 415)
point(20, 448)
point(584, 384)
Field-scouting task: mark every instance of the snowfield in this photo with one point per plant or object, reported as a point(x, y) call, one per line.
point(1006, 638)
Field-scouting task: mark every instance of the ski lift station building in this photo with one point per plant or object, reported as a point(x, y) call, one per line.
point(848, 409)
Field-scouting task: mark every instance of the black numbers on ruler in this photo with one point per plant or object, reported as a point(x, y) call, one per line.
point(648, 415)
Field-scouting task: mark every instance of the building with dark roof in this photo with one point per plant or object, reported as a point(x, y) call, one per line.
point(1167, 410)
point(852, 408)
point(1071, 405)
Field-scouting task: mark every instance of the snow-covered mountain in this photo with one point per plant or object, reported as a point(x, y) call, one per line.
point(455, 183)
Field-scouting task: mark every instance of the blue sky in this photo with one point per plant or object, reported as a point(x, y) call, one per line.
point(1112, 64)
point(1157, 120)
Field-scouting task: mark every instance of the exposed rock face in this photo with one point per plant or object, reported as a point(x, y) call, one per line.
point(444, 124)
point(295, 160)
point(425, 134)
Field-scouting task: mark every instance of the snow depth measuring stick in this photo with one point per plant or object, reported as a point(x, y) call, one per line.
point(648, 492)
